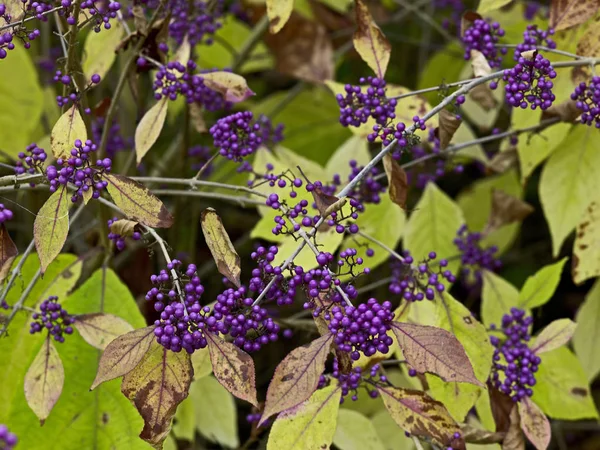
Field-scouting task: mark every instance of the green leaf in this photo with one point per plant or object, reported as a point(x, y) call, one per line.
point(279, 11)
point(458, 398)
point(310, 425)
point(476, 203)
point(569, 183)
point(370, 42)
point(201, 363)
point(586, 254)
point(99, 50)
point(51, 226)
point(390, 433)
point(233, 35)
point(149, 128)
point(355, 432)
point(81, 419)
point(22, 101)
point(486, 6)
point(68, 128)
point(355, 148)
point(433, 226)
point(562, 390)
point(311, 122)
point(586, 340)
point(540, 287)
point(553, 336)
point(215, 412)
point(497, 297)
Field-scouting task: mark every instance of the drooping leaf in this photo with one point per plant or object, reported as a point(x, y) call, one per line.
point(561, 389)
point(514, 439)
point(149, 128)
point(434, 350)
point(506, 209)
point(569, 13)
point(279, 11)
point(534, 424)
point(397, 181)
point(449, 123)
point(355, 431)
point(497, 297)
point(137, 202)
point(201, 363)
point(586, 340)
point(587, 46)
point(586, 255)
point(479, 64)
point(297, 376)
point(568, 183)
point(70, 126)
point(478, 435)
point(8, 252)
point(540, 287)
point(421, 416)
point(370, 42)
point(309, 425)
point(231, 86)
point(433, 226)
point(123, 354)
point(99, 50)
point(158, 384)
point(51, 226)
point(233, 368)
point(554, 335)
point(100, 329)
point(223, 251)
point(44, 380)
point(123, 227)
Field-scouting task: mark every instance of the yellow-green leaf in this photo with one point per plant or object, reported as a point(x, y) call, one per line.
point(586, 251)
point(355, 148)
point(201, 363)
point(370, 42)
point(569, 183)
point(540, 287)
point(137, 202)
point(51, 226)
point(44, 380)
point(309, 425)
point(586, 340)
point(554, 335)
point(231, 86)
point(486, 6)
point(497, 297)
point(534, 424)
point(390, 433)
point(69, 127)
point(355, 431)
point(223, 252)
point(279, 11)
point(458, 398)
point(149, 128)
point(99, 50)
point(158, 384)
point(100, 329)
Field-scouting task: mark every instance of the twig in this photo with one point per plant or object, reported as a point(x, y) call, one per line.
point(391, 251)
point(194, 182)
point(21, 22)
point(242, 201)
point(417, 443)
point(205, 166)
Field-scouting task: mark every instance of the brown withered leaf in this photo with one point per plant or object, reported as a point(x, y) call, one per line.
point(197, 118)
point(233, 368)
point(369, 41)
point(297, 376)
point(475, 435)
point(326, 204)
point(221, 247)
point(397, 181)
point(534, 424)
point(123, 354)
point(483, 96)
point(467, 20)
point(139, 19)
point(501, 405)
point(506, 209)
point(502, 161)
point(159, 383)
point(303, 50)
point(99, 329)
point(588, 45)
point(566, 111)
point(569, 13)
point(449, 123)
point(123, 227)
point(8, 252)
point(514, 439)
point(421, 416)
point(434, 350)
point(480, 64)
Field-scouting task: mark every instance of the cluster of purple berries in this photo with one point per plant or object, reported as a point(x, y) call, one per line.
point(281, 291)
point(415, 283)
point(456, 8)
point(101, 12)
point(483, 36)
point(529, 84)
point(7, 439)
point(514, 358)
point(587, 100)
point(5, 214)
point(236, 136)
point(474, 258)
point(31, 160)
point(534, 37)
point(78, 169)
point(198, 19)
point(33, 9)
point(53, 318)
point(351, 382)
point(368, 190)
point(115, 142)
point(118, 239)
point(74, 96)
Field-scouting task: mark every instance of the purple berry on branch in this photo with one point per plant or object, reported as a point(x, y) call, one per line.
point(5, 214)
point(528, 83)
point(534, 37)
point(587, 100)
point(7, 439)
point(198, 19)
point(483, 36)
point(31, 161)
point(473, 257)
point(235, 136)
point(54, 318)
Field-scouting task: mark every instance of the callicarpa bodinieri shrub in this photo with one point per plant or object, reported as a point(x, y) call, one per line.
point(299, 225)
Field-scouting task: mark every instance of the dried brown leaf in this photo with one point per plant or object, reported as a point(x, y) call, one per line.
point(534, 424)
point(569, 13)
point(449, 123)
point(8, 252)
point(483, 96)
point(503, 161)
point(506, 209)
point(514, 439)
point(397, 181)
point(123, 227)
point(370, 42)
point(221, 248)
point(326, 204)
point(566, 111)
point(501, 405)
point(473, 435)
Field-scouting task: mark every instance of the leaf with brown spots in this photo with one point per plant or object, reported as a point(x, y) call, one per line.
point(325, 203)
point(586, 249)
point(137, 203)
point(279, 11)
point(158, 384)
point(554, 335)
point(534, 424)
point(100, 329)
point(370, 42)
point(421, 416)
point(231, 86)
point(397, 181)
point(569, 13)
point(123, 354)
point(514, 439)
point(449, 123)
point(44, 380)
point(474, 435)
point(434, 350)
point(297, 376)
point(123, 227)
point(221, 248)
point(233, 367)
point(506, 209)
point(8, 252)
